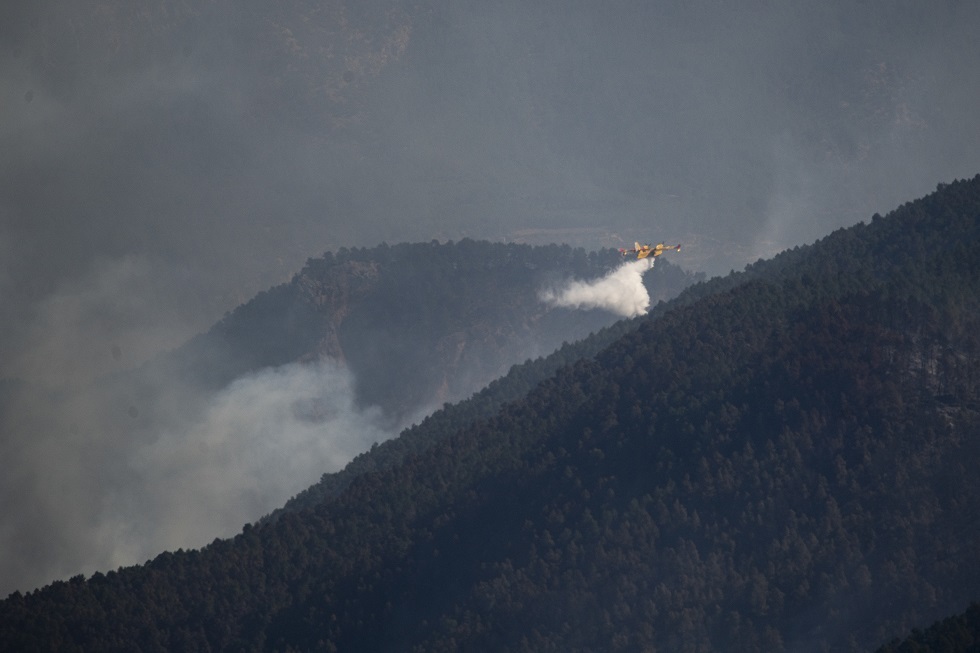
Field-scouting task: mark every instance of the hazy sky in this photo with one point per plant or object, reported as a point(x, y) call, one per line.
point(161, 162)
point(171, 161)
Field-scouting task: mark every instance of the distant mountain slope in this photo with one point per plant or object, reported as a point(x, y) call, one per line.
point(419, 324)
point(787, 463)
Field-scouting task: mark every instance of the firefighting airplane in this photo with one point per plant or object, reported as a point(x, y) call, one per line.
point(643, 251)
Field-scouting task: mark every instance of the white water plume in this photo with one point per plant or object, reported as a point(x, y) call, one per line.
point(621, 291)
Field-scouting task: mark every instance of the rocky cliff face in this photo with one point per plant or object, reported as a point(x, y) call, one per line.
point(331, 295)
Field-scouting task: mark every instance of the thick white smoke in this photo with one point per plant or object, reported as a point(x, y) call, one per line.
point(95, 480)
point(621, 291)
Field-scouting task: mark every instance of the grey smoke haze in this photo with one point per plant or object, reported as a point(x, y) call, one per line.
point(225, 144)
point(110, 478)
point(160, 163)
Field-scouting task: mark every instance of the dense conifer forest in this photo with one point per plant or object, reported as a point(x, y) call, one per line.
point(784, 459)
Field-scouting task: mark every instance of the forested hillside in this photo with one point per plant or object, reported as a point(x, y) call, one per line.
point(850, 259)
point(782, 460)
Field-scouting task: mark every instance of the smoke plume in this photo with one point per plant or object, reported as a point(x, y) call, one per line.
point(621, 291)
point(95, 479)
